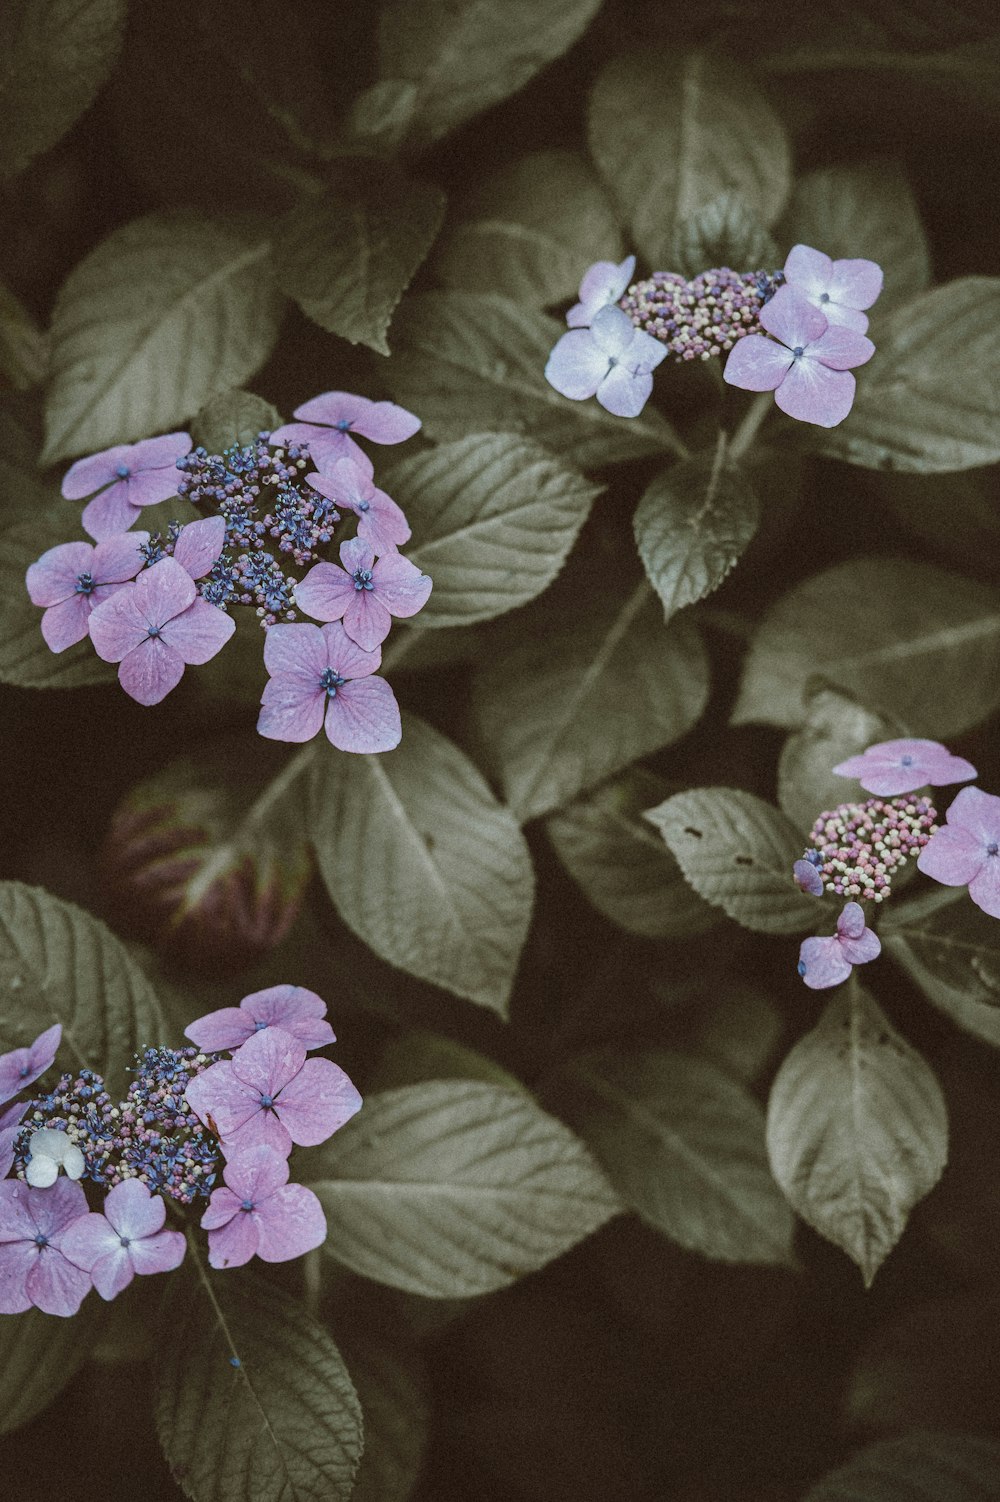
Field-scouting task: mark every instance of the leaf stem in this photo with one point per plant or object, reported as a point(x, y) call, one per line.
point(312, 1274)
point(745, 434)
point(206, 1283)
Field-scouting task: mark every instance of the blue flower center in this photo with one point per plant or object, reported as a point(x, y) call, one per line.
point(123, 471)
point(342, 426)
point(824, 297)
point(125, 1240)
point(84, 584)
point(992, 848)
point(330, 680)
point(259, 1025)
point(247, 1205)
point(799, 351)
point(24, 1071)
point(801, 967)
point(267, 1101)
point(154, 630)
point(363, 578)
point(906, 761)
point(364, 505)
point(41, 1241)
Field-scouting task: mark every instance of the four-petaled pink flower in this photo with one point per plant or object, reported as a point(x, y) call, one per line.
point(364, 594)
point(612, 360)
point(966, 849)
point(381, 523)
point(260, 1214)
point(329, 421)
point(129, 476)
point(269, 1092)
point(902, 766)
point(322, 679)
point(292, 1008)
point(199, 545)
point(602, 284)
point(70, 580)
point(22, 1066)
point(34, 1270)
point(154, 627)
point(809, 370)
point(128, 1238)
point(840, 289)
point(827, 961)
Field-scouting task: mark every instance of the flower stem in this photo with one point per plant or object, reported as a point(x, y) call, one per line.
point(745, 434)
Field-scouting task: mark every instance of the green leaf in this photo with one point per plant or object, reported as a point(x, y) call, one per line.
point(857, 1128)
point(381, 116)
point(493, 518)
point(165, 313)
point(683, 1143)
point(456, 1188)
point(931, 399)
point(670, 131)
point(418, 1055)
point(737, 852)
point(397, 1420)
point(39, 1355)
point(916, 1468)
point(476, 364)
point(348, 257)
point(466, 55)
point(24, 348)
point(951, 949)
point(55, 55)
point(59, 964)
point(739, 1030)
point(24, 493)
point(954, 515)
point(233, 417)
point(724, 232)
point(445, 888)
point(835, 727)
point(567, 708)
point(692, 525)
point(254, 1402)
point(25, 659)
point(623, 867)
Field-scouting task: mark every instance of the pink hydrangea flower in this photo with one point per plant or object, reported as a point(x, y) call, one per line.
point(128, 1238)
point(259, 1214)
point(292, 1008)
point(612, 360)
point(322, 679)
point(902, 766)
point(329, 422)
point(128, 476)
point(381, 522)
point(34, 1270)
point(966, 849)
point(154, 627)
point(22, 1066)
point(270, 1093)
point(10, 1125)
point(840, 289)
point(364, 594)
point(70, 580)
point(602, 284)
point(826, 962)
point(806, 364)
point(199, 545)
point(807, 877)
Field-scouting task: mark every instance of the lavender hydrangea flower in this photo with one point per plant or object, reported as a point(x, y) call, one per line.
point(840, 289)
point(199, 545)
point(381, 522)
point(22, 1066)
point(965, 851)
point(364, 594)
point(128, 1238)
point(328, 422)
point(10, 1125)
point(128, 476)
point(602, 284)
point(826, 962)
point(902, 766)
point(806, 364)
point(293, 1008)
point(270, 1093)
point(70, 580)
point(154, 627)
point(259, 1214)
point(322, 679)
point(612, 360)
point(50, 1151)
point(34, 1270)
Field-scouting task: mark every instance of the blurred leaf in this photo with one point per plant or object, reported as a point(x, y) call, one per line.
point(568, 707)
point(381, 116)
point(466, 55)
point(835, 727)
point(55, 55)
point(956, 516)
point(951, 949)
point(493, 517)
point(916, 1468)
point(670, 131)
point(24, 494)
point(931, 399)
point(476, 364)
point(453, 1188)
point(254, 1402)
point(857, 1128)
point(396, 1412)
point(737, 852)
point(739, 1031)
point(25, 658)
point(692, 525)
point(39, 1355)
point(233, 417)
point(417, 1056)
point(724, 232)
point(24, 348)
point(167, 311)
point(424, 864)
point(909, 640)
point(683, 1143)
point(348, 257)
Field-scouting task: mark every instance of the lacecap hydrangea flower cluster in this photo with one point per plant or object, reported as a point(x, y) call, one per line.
point(209, 1126)
point(797, 332)
point(155, 604)
point(859, 847)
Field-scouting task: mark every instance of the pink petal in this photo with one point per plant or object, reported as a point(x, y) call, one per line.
point(113, 1272)
point(367, 620)
point(576, 366)
point(289, 1224)
point(110, 512)
point(855, 283)
point(984, 888)
point(624, 393)
point(809, 270)
point(864, 948)
point(21, 1067)
point(317, 1102)
point(806, 877)
point(17, 1258)
point(296, 1009)
point(133, 1211)
point(813, 393)
point(219, 1094)
point(332, 407)
point(345, 657)
point(757, 364)
point(356, 554)
point(199, 632)
point(233, 1244)
point(954, 856)
point(254, 1175)
point(328, 448)
point(602, 283)
point(344, 482)
point(152, 486)
point(295, 649)
point(160, 1253)
point(158, 453)
point(364, 717)
point(118, 559)
point(54, 577)
point(87, 1239)
point(792, 318)
point(54, 1285)
point(400, 585)
point(222, 1206)
point(216, 1031)
point(16, 1223)
point(294, 433)
point(382, 422)
point(150, 671)
point(163, 591)
point(383, 525)
point(198, 547)
point(851, 923)
point(117, 625)
point(978, 812)
point(268, 1061)
point(822, 963)
point(325, 592)
point(88, 475)
point(841, 349)
point(848, 318)
point(290, 710)
point(264, 1128)
point(65, 624)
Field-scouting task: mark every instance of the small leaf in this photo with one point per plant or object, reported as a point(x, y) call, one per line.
point(916, 1468)
point(233, 417)
point(737, 852)
point(951, 949)
point(25, 658)
point(39, 1355)
point(692, 525)
point(390, 1385)
point(725, 232)
point(423, 864)
point(165, 313)
point(456, 1188)
point(24, 348)
point(857, 1128)
point(382, 115)
point(835, 727)
point(493, 518)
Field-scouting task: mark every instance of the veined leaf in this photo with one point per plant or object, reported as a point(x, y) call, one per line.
point(951, 949)
point(39, 1355)
point(835, 728)
point(724, 232)
point(233, 417)
point(916, 1468)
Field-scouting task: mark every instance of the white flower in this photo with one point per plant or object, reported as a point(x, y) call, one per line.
point(48, 1151)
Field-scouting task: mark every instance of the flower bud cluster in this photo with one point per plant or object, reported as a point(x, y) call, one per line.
point(702, 318)
point(860, 846)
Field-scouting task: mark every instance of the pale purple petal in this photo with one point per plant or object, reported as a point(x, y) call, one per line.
point(150, 671)
point(16, 1224)
point(160, 1253)
point(254, 1175)
point(841, 349)
point(199, 632)
point(317, 1101)
point(234, 1243)
point(851, 923)
point(902, 766)
point(17, 1258)
point(117, 625)
point(118, 559)
point(268, 1061)
point(298, 648)
point(112, 1273)
point(65, 624)
point(21, 1067)
point(613, 332)
point(809, 270)
point(163, 591)
point(290, 709)
point(325, 592)
point(347, 659)
point(367, 620)
point(855, 283)
point(133, 1211)
point(88, 1239)
point(198, 547)
point(978, 812)
point(757, 364)
point(289, 1224)
point(806, 876)
point(327, 448)
point(954, 856)
point(216, 1095)
point(295, 1008)
point(152, 486)
point(217, 1031)
point(382, 422)
point(813, 393)
point(344, 482)
point(791, 318)
point(847, 318)
point(864, 948)
point(223, 1204)
point(158, 453)
point(110, 512)
point(54, 577)
point(53, 1284)
point(984, 888)
point(822, 963)
point(363, 716)
point(88, 475)
point(400, 585)
point(644, 353)
point(624, 392)
point(576, 367)
point(602, 283)
point(382, 524)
